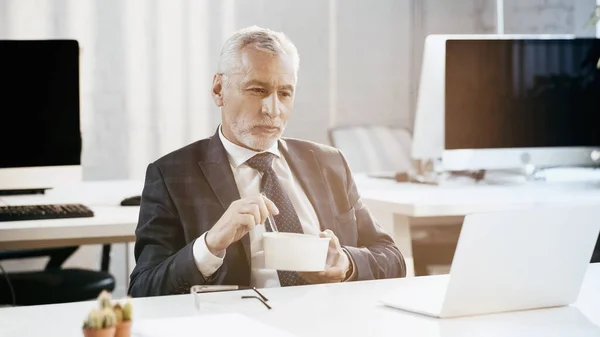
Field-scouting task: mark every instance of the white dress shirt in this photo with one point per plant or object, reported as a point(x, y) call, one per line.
point(248, 180)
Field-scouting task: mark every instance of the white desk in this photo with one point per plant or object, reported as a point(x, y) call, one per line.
point(402, 207)
point(111, 223)
point(454, 199)
point(350, 309)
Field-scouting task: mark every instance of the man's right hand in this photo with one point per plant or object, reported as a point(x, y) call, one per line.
point(239, 218)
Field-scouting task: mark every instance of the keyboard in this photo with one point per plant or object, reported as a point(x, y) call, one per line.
point(44, 212)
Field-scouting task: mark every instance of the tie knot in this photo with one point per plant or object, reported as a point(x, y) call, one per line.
point(261, 161)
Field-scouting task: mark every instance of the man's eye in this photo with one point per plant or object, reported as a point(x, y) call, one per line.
point(258, 90)
point(285, 93)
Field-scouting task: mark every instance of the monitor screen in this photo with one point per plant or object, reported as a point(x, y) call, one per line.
point(39, 103)
point(522, 93)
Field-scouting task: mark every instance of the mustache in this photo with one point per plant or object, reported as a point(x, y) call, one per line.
point(267, 123)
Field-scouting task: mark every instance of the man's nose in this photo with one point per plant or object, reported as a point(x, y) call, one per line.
point(271, 104)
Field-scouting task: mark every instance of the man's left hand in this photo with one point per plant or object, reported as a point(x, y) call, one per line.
point(337, 266)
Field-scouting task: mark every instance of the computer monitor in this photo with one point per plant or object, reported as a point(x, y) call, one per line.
point(39, 104)
point(505, 101)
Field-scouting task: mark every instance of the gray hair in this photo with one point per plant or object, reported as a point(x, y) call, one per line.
point(262, 38)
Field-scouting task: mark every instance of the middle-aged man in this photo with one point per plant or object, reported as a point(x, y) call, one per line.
point(201, 204)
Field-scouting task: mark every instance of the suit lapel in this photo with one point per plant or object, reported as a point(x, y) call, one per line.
point(216, 169)
point(305, 167)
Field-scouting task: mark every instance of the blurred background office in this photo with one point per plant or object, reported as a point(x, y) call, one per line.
point(146, 67)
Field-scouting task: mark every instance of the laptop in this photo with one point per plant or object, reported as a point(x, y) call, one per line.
point(508, 261)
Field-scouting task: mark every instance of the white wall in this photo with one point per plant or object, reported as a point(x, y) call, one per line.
point(548, 17)
point(373, 62)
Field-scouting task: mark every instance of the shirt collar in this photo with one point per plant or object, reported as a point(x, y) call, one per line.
point(238, 155)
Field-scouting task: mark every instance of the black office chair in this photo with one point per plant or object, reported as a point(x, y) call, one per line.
point(53, 284)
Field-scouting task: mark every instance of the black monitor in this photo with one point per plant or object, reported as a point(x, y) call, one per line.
point(527, 95)
point(39, 99)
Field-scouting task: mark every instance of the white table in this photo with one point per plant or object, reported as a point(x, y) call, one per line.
point(111, 223)
point(402, 207)
point(350, 309)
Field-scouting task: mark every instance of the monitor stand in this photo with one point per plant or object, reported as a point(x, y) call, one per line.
point(529, 171)
point(506, 177)
point(23, 192)
point(431, 172)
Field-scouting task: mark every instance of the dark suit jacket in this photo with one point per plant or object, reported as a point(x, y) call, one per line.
point(188, 190)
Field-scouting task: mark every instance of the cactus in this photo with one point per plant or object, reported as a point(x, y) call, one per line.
point(123, 312)
point(100, 319)
point(104, 316)
point(94, 320)
point(110, 319)
point(127, 311)
point(118, 312)
point(104, 299)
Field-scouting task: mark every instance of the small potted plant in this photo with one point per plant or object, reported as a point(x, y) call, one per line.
point(104, 300)
point(101, 322)
point(123, 314)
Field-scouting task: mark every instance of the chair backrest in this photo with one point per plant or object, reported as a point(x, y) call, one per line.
point(373, 148)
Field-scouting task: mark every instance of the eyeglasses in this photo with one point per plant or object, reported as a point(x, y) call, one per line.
point(219, 288)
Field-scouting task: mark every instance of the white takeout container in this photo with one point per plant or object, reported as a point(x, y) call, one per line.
point(295, 252)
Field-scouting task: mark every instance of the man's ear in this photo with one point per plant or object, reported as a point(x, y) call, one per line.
point(217, 90)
